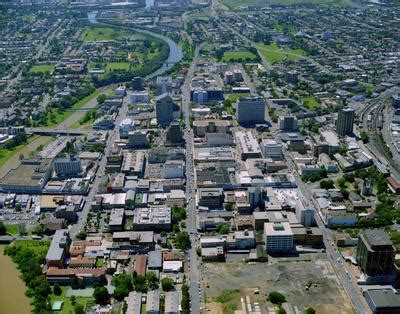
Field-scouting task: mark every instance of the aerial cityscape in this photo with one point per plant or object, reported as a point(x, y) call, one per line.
point(199, 156)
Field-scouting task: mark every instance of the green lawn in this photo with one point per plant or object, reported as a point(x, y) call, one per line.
point(12, 229)
point(310, 102)
point(68, 308)
point(42, 68)
point(234, 97)
point(5, 154)
point(61, 116)
point(99, 262)
point(238, 55)
point(101, 33)
point(272, 53)
point(117, 66)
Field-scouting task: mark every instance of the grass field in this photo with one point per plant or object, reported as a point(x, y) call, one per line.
point(60, 117)
point(234, 97)
point(110, 66)
point(234, 4)
point(42, 68)
point(101, 33)
point(67, 306)
point(272, 53)
point(310, 102)
point(12, 229)
point(5, 154)
point(238, 55)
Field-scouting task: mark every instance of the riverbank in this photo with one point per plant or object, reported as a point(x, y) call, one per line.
point(12, 288)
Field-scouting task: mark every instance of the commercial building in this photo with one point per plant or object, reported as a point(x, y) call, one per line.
point(68, 166)
point(305, 216)
point(125, 127)
point(58, 249)
point(138, 139)
point(202, 127)
point(375, 253)
point(211, 198)
point(140, 97)
point(288, 123)
point(117, 219)
point(164, 109)
point(174, 169)
point(345, 121)
point(134, 302)
point(250, 110)
point(152, 218)
point(383, 301)
point(272, 149)
point(247, 145)
point(278, 237)
point(172, 302)
point(163, 85)
point(174, 134)
point(153, 302)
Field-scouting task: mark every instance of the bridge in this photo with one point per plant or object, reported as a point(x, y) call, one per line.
point(55, 131)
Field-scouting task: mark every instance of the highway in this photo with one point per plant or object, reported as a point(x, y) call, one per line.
point(194, 267)
point(112, 136)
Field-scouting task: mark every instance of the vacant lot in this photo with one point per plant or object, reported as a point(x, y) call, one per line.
point(227, 284)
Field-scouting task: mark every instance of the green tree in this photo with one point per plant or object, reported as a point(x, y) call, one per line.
point(326, 184)
point(185, 302)
point(309, 310)
point(276, 297)
point(57, 289)
point(152, 280)
point(167, 284)
point(79, 309)
point(73, 300)
point(364, 137)
point(182, 240)
point(229, 207)
point(101, 99)
point(139, 283)
point(18, 207)
point(81, 235)
point(100, 295)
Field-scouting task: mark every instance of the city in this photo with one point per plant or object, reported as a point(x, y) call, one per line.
point(200, 156)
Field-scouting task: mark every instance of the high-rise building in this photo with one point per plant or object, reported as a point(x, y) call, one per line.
point(305, 216)
point(137, 83)
point(125, 127)
point(345, 121)
point(250, 110)
point(288, 123)
point(67, 166)
point(292, 77)
point(164, 109)
point(396, 101)
point(375, 253)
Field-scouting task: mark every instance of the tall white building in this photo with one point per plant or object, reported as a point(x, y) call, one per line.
point(304, 215)
point(278, 237)
point(272, 149)
point(250, 110)
point(174, 169)
point(125, 127)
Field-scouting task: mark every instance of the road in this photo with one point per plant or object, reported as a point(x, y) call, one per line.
point(112, 136)
point(194, 273)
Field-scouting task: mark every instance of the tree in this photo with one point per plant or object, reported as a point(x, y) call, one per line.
point(3, 229)
point(364, 137)
point(100, 295)
point(38, 230)
point(123, 284)
point(185, 303)
point(81, 235)
point(178, 214)
point(182, 240)
point(57, 289)
point(198, 251)
point(309, 310)
point(326, 184)
point(18, 207)
point(167, 284)
point(79, 309)
point(139, 283)
point(101, 99)
point(152, 280)
point(21, 156)
point(22, 229)
point(228, 207)
point(276, 297)
point(73, 300)
point(281, 310)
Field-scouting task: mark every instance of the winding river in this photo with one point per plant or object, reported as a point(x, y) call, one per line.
point(175, 51)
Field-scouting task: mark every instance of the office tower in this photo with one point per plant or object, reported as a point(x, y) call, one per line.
point(345, 121)
point(250, 110)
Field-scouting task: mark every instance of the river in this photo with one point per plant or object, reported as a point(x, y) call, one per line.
point(175, 51)
point(12, 288)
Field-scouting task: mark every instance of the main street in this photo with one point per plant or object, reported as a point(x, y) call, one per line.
point(194, 264)
point(112, 136)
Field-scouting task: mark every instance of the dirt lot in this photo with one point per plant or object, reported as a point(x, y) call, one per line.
point(228, 284)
